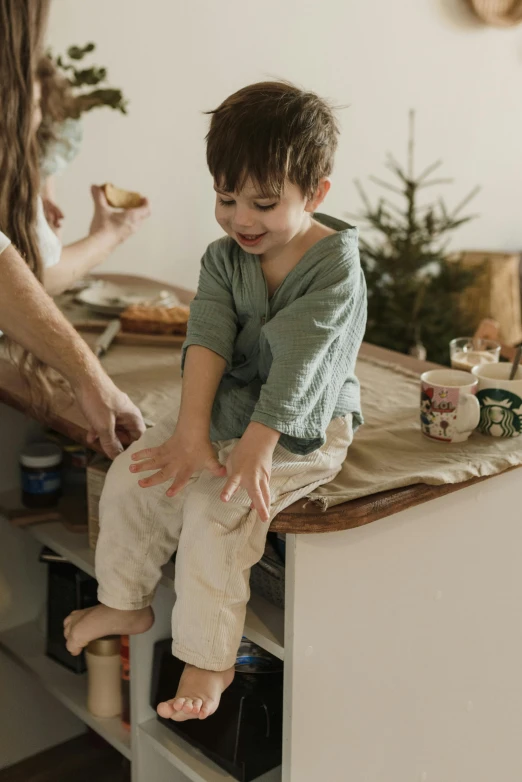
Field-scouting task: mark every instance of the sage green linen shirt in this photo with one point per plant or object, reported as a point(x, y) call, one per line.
point(290, 358)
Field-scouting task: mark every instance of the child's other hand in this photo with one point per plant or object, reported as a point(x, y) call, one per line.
point(120, 222)
point(177, 460)
point(250, 465)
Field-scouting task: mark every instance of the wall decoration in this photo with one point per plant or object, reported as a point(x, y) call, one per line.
point(500, 13)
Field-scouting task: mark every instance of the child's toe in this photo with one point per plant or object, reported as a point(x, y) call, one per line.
point(72, 644)
point(165, 709)
point(206, 710)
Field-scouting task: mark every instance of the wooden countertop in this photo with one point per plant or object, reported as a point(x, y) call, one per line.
point(301, 517)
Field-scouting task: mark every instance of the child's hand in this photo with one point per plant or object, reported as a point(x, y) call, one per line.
point(250, 465)
point(120, 222)
point(177, 460)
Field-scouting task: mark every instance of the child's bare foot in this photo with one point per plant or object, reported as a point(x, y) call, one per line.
point(83, 626)
point(198, 695)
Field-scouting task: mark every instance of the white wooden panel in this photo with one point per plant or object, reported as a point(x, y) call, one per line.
point(407, 645)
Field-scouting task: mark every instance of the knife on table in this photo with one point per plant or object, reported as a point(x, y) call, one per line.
point(103, 342)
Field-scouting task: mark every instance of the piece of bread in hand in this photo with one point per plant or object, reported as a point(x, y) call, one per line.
point(121, 199)
point(145, 319)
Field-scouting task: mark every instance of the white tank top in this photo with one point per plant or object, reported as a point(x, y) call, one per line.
point(49, 244)
point(4, 242)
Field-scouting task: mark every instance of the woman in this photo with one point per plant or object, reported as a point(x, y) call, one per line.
point(27, 315)
point(57, 268)
point(109, 227)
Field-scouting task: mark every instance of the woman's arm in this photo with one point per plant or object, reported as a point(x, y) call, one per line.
point(109, 228)
point(53, 213)
point(48, 189)
point(30, 317)
point(78, 259)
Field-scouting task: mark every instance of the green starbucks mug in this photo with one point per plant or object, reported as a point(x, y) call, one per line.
point(500, 400)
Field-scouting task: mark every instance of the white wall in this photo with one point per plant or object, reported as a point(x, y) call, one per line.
point(176, 59)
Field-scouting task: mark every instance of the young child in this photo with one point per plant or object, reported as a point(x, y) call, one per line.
point(269, 397)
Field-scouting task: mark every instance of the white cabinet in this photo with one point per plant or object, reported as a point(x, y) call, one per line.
point(402, 644)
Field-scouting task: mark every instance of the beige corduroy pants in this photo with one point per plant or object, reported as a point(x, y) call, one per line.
point(216, 542)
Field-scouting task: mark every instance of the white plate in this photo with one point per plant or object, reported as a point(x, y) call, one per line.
point(107, 298)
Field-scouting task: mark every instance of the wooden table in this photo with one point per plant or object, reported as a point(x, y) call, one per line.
point(401, 637)
point(300, 517)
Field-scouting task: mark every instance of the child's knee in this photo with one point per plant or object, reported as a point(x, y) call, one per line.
point(119, 482)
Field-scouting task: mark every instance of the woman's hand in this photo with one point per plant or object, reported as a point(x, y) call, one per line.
point(121, 223)
point(53, 214)
point(113, 419)
point(177, 460)
point(250, 465)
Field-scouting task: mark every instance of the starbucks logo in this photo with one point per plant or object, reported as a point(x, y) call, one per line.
point(500, 413)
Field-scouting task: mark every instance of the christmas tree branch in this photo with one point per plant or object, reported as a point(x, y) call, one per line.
point(411, 144)
point(393, 206)
point(429, 170)
point(466, 201)
point(435, 182)
point(395, 168)
point(386, 185)
point(363, 195)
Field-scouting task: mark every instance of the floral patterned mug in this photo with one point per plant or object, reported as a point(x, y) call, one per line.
point(449, 409)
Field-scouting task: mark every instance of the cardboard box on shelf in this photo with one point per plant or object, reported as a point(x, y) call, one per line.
point(96, 473)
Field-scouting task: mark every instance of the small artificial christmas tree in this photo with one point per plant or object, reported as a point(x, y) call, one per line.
point(413, 285)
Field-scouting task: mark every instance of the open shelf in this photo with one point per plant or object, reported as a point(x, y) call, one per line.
point(189, 760)
point(72, 545)
point(26, 646)
point(264, 623)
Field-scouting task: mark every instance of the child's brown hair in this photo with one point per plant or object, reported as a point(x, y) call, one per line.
point(270, 132)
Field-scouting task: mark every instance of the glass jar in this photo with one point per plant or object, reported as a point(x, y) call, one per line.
point(41, 473)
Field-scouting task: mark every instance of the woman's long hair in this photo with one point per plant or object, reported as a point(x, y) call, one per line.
point(22, 28)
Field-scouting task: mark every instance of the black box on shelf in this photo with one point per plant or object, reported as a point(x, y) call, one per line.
point(245, 735)
point(267, 577)
point(69, 589)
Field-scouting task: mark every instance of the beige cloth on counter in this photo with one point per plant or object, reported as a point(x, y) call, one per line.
point(387, 452)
